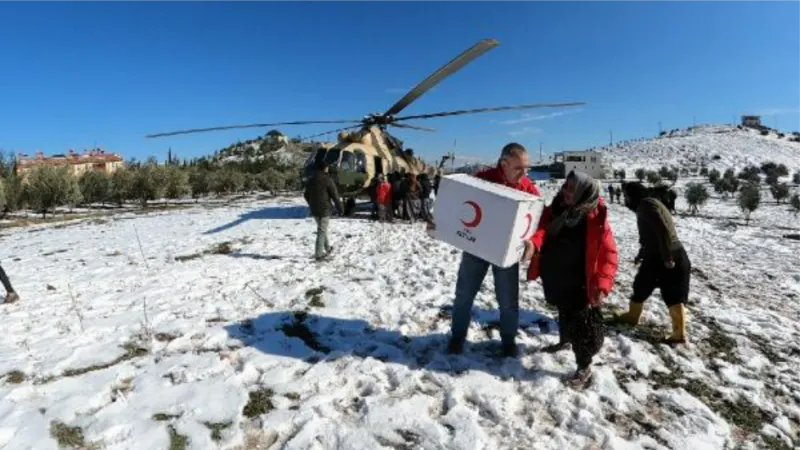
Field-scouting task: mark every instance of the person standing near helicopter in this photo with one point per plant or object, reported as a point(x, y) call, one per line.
point(320, 193)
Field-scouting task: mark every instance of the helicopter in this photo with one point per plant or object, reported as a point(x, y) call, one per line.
point(364, 148)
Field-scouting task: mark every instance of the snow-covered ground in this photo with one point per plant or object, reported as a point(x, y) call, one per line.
point(718, 146)
point(252, 345)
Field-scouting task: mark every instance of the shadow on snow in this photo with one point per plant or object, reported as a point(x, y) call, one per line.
point(274, 212)
point(311, 337)
point(270, 212)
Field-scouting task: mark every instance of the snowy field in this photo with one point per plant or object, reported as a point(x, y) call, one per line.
point(221, 332)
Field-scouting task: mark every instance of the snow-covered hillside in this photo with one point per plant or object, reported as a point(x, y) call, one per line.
point(221, 332)
point(720, 147)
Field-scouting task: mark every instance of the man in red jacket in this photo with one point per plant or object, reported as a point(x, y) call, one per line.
point(383, 198)
point(577, 259)
point(511, 170)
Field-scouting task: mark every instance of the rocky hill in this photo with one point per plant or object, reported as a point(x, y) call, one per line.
point(273, 144)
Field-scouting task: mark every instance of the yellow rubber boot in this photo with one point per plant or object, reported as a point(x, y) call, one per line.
point(678, 315)
point(633, 315)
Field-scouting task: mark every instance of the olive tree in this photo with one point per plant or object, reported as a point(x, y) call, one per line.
point(95, 186)
point(176, 182)
point(148, 183)
point(199, 182)
point(120, 186)
point(696, 196)
point(749, 199)
point(48, 187)
point(780, 191)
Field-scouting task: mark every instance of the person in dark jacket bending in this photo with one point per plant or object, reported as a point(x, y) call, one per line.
point(372, 191)
point(664, 262)
point(425, 196)
point(320, 192)
point(576, 257)
point(397, 194)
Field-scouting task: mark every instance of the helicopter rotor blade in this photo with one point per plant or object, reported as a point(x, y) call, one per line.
point(331, 131)
point(445, 71)
point(254, 125)
point(413, 127)
point(480, 110)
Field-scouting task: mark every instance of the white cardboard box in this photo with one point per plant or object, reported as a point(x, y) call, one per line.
point(485, 219)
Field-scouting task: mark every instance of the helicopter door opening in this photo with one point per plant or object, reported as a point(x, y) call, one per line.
point(378, 165)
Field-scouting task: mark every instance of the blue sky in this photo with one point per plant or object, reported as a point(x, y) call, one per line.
point(76, 74)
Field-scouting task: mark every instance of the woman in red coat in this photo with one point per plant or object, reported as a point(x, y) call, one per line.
point(576, 258)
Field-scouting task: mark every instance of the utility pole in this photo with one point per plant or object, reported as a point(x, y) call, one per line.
point(541, 161)
point(610, 138)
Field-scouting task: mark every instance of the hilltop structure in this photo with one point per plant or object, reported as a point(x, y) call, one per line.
point(587, 161)
point(78, 163)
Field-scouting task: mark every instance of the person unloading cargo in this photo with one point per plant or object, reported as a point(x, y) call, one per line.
point(511, 170)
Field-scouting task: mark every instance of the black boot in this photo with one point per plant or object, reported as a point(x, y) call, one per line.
point(455, 346)
point(510, 350)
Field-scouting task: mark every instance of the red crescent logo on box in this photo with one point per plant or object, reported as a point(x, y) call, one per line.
point(529, 218)
point(478, 215)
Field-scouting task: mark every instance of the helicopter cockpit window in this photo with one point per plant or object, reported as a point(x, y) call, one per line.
point(361, 162)
point(348, 162)
point(332, 157)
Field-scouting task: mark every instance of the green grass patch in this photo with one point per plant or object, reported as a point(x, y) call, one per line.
point(314, 297)
point(132, 350)
point(260, 402)
point(164, 417)
point(216, 429)
point(177, 441)
point(15, 377)
point(67, 436)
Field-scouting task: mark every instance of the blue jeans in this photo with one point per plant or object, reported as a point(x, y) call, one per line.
point(506, 286)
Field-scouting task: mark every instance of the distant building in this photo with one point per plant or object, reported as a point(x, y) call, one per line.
point(751, 121)
point(78, 163)
point(588, 162)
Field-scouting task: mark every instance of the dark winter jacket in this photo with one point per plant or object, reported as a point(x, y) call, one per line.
point(657, 235)
point(425, 187)
point(401, 191)
point(320, 192)
point(666, 195)
point(414, 188)
point(372, 189)
point(601, 251)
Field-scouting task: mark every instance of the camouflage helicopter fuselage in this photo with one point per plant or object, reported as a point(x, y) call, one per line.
point(360, 156)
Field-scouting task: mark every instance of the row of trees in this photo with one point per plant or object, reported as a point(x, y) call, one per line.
point(653, 176)
point(748, 185)
point(47, 187)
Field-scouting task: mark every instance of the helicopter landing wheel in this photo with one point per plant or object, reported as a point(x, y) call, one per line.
point(349, 206)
